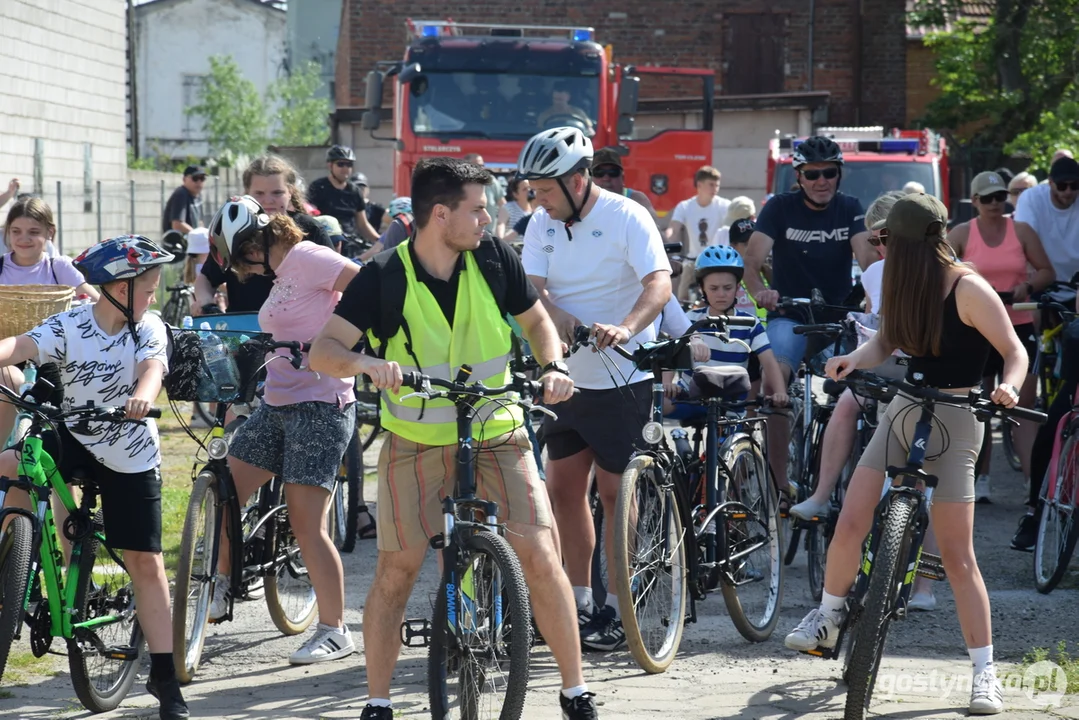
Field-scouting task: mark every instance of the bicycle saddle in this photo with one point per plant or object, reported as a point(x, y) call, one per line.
point(729, 382)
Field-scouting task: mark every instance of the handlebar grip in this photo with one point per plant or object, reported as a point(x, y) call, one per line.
point(825, 328)
point(1026, 306)
point(741, 321)
point(413, 379)
point(1025, 414)
point(154, 413)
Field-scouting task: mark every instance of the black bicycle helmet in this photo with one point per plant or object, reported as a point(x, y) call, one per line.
point(340, 152)
point(817, 149)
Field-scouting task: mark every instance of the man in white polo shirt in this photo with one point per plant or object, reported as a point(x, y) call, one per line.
point(1053, 212)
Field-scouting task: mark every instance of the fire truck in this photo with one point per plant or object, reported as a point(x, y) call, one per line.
point(466, 88)
point(875, 162)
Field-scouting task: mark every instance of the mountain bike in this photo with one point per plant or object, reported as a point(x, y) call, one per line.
point(91, 606)
point(178, 306)
point(480, 634)
point(892, 554)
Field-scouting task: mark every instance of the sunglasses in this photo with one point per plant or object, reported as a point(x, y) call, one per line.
point(827, 173)
point(702, 226)
point(198, 178)
point(610, 172)
point(880, 239)
point(343, 163)
point(997, 197)
point(1065, 186)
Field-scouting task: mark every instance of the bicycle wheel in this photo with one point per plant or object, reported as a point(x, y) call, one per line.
point(195, 577)
point(367, 413)
point(650, 565)
point(481, 671)
point(15, 550)
point(1058, 530)
point(753, 545)
point(103, 590)
point(795, 469)
point(600, 582)
point(1008, 442)
point(352, 480)
point(868, 636)
point(290, 596)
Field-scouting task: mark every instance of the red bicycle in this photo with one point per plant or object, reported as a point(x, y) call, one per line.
point(1058, 530)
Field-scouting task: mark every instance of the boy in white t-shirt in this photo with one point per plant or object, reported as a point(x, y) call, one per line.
point(700, 217)
point(113, 353)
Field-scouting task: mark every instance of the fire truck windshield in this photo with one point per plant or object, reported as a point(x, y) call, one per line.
point(867, 180)
point(502, 105)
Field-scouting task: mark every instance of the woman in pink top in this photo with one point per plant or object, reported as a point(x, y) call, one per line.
point(1002, 251)
point(304, 424)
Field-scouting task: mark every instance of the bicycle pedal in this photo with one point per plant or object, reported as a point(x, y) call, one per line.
point(823, 653)
point(416, 628)
point(123, 653)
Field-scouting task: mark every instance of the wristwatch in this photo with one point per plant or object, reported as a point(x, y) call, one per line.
point(557, 366)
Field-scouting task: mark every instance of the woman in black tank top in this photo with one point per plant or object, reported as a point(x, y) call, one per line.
point(946, 317)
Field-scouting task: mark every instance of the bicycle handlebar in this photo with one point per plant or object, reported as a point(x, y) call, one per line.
point(295, 347)
point(456, 390)
point(89, 411)
point(832, 329)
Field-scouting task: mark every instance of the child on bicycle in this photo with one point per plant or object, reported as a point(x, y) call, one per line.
point(112, 352)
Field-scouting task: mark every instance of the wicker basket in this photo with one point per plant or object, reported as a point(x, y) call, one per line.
point(23, 307)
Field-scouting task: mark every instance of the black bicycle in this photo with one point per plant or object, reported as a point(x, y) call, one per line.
point(481, 632)
point(178, 306)
point(893, 553)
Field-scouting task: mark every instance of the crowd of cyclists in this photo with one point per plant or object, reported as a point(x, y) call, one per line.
point(435, 291)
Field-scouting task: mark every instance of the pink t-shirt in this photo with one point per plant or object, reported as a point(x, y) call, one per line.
point(300, 303)
point(41, 273)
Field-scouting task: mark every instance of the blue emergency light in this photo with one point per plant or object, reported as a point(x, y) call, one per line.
point(582, 35)
point(430, 30)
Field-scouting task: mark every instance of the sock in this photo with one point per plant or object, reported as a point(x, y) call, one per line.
point(583, 596)
point(162, 666)
point(833, 606)
point(378, 702)
point(576, 691)
point(612, 602)
point(982, 658)
point(324, 626)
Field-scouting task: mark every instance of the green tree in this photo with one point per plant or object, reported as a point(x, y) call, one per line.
point(1011, 83)
point(301, 118)
point(233, 114)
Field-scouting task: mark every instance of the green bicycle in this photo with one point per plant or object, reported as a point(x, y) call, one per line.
point(91, 605)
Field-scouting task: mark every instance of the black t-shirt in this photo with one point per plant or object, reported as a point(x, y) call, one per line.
point(182, 206)
point(375, 214)
point(811, 248)
point(250, 295)
point(522, 225)
point(361, 302)
point(342, 204)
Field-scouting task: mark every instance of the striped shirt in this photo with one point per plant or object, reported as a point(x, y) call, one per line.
point(731, 353)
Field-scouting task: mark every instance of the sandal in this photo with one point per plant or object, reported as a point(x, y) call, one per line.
point(368, 531)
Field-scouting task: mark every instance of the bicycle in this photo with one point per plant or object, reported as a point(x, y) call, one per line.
point(482, 612)
point(892, 554)
point(91, 606)
point(263, 552)
point(665, 541)
point(178, 306)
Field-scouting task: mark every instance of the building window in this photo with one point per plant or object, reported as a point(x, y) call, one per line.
point(193, 124)
point(755, 54)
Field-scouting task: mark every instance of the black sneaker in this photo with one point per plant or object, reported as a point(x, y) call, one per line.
point(608, 633)
point(373, 712)
point(582, 707)
point(1026, 537)
point(586, 621)
point(168, 694)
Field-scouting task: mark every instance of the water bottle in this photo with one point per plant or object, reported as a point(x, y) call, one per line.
point(681, 444)
point(187, 323)
point(223, 381)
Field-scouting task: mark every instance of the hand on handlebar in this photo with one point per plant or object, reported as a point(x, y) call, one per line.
point(385, 374)
point(564, 323)
point(136, 408)
point(1021, 292)
point(701, 352)
point(557, 387)
point(839, 367)
point(1005, 395)
point(608, 335)
point(767, 299)
point(779, 399)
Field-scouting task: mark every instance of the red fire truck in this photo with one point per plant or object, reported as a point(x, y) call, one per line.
point(874, 162)
point(479, 88)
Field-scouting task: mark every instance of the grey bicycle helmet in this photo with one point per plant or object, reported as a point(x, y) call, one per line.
point(554, 154)
point(817, 149)
point(340, 152)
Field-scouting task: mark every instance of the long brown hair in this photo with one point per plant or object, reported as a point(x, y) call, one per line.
point(267, 165)
point(285, 233)
point(31, 207)
point(913, 281)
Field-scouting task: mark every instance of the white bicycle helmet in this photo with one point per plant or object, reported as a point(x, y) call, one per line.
point(554, 153)
point(239, 220)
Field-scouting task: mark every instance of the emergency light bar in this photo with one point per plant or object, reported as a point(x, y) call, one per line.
point(909, 146)
point(445, 28)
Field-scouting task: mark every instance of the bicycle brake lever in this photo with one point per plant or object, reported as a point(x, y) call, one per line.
point(545, 410)
point(424, 395)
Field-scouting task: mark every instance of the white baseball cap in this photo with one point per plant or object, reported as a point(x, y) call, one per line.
point(198, 241)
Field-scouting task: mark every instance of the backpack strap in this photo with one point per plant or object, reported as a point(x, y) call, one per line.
point(52, 269)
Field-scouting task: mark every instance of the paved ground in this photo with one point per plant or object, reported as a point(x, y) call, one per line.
point(245, 674)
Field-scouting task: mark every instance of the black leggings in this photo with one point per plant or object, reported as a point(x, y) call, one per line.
point(1043, 442)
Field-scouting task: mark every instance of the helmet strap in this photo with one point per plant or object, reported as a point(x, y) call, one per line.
point(576, 216)
point(128, 310)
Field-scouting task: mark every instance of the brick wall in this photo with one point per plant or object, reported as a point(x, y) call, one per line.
point(920, 72)
point(689, 34)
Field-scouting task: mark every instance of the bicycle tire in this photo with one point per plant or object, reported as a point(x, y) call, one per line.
point(291, 618)
point(654, 650)
point(600, 577)
point(194, 578)
point(104, 587)
point(869, 635)
point(353, 478)
point(795, 471)
point(1058, 530)
point(1007, 441)
point(762, 500)
point(204, 411)
point(15, 551)
point(368, 409)
point(446, 662)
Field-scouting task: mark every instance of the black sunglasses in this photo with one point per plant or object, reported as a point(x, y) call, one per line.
point(996, 197)
point(610, 172)
point(828, 173)
point(198, 178)
point(343, 163)
point(1065, 185)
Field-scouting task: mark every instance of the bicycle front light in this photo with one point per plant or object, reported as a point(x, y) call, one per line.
point(652, 432)
point(217, 448)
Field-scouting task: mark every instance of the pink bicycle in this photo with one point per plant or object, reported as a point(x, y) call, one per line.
point(1058, 530)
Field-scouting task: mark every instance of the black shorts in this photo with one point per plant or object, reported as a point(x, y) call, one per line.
point(754, 368)
point(130, 502)
point(607, 421)
point(994, 365)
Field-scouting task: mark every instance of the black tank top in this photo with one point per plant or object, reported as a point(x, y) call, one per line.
point(963, 352)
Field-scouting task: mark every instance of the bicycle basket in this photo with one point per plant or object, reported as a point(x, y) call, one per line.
point(24, 307)
point(189, 369)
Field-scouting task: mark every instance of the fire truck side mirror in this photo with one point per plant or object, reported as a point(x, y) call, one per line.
point(373, 97)
point(628, 95)
point(409, 73)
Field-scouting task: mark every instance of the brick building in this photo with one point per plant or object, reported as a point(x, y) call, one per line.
point(855, 50)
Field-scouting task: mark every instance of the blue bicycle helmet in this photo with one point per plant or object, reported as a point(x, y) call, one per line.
point(720, 258)
point(400, 206)
point(121, 258)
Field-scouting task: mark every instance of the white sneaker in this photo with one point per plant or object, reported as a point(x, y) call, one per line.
point(981, 489)
point(220, 605)
point(925, 601)
point(328, 643)
point(817, 630)
point(807, 510)
point(986, 697)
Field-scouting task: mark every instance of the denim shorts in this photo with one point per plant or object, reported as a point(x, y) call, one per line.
point(789, 348)
point(301, 443)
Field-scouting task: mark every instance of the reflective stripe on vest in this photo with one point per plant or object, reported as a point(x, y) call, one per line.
point(479, 338)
